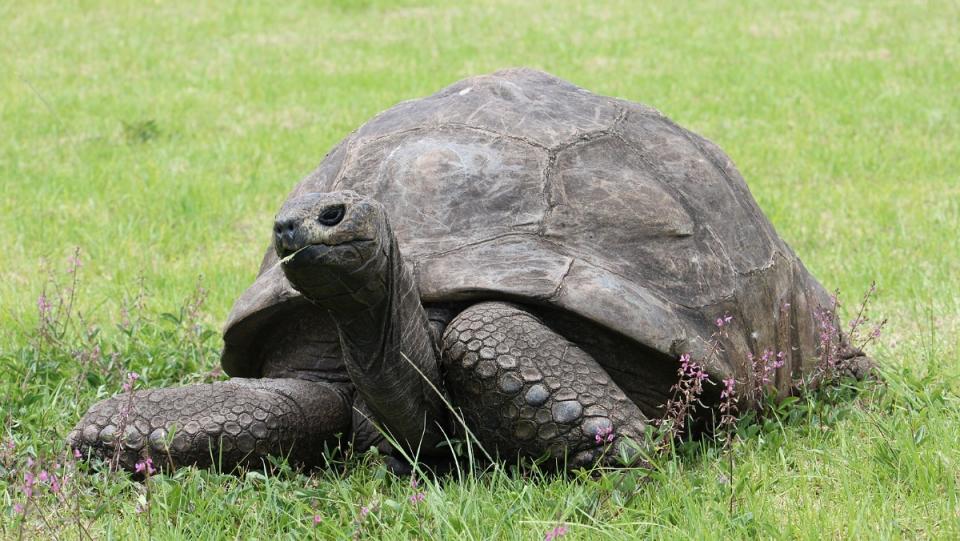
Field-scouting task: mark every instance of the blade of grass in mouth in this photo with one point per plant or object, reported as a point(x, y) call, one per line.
point(285, 259)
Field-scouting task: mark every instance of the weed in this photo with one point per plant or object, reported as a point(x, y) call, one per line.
point(140, 131)
point(679, 409)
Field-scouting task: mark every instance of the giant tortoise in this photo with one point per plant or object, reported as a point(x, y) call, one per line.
point(532, 254)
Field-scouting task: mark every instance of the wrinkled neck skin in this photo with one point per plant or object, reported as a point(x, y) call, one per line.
point(387, 347)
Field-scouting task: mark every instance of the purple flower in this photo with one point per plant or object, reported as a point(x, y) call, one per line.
point(28, 481)
point(555, 533)
point(686, 392)
point(77, 454)
point(419, 496)
point(18, 508)
point(145, 465)
point(132, 377)
point(74, 263)
point(727, 391)
point(723, 321)
point(604, 435)
point(43, 305)
point(317, 519)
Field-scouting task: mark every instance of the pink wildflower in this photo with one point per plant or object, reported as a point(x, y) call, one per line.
point(691, 369)
point(727, 391)
point(317, 519)
point(18, 508)
point(728, 405)
point(556, 533)
point(604, 435)
point(132, 377)
point(43, 305)
point(74, 263)
point(28, 481)
point(419, 496)
point(765, 366)
point(77, 453)
point(146, 466)
point(686, 395)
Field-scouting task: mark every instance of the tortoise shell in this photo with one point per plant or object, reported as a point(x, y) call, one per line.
point(522, 186)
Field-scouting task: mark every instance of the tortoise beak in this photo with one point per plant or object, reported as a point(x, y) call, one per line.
point(287, 237)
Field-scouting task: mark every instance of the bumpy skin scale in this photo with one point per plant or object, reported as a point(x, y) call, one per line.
point(231, 423)
point(525, 389)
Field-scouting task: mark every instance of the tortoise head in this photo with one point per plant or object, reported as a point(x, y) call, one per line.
point(335, 248)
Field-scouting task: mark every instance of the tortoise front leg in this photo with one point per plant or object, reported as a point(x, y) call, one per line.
point(228, 424)
point(525, 389)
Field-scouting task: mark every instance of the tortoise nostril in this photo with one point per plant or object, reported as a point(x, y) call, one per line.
point(331, 215)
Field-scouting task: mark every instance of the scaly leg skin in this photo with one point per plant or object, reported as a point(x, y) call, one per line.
point(227, 424)
point(525, 389)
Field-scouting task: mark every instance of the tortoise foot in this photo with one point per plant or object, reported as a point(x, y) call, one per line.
point(525, 389)
point(228, 424)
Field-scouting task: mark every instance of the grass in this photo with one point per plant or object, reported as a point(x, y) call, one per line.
point(161, 138)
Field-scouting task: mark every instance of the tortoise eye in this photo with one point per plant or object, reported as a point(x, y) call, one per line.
point(331, 215)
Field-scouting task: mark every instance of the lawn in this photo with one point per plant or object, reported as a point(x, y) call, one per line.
point(159, 139)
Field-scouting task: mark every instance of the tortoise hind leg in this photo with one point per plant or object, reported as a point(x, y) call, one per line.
point(525, 389)
point(230, 423)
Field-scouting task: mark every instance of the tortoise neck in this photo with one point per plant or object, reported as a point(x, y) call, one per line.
point(390, 355)
point(373, 338)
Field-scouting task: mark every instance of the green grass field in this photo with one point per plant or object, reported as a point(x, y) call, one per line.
point(160, 138)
